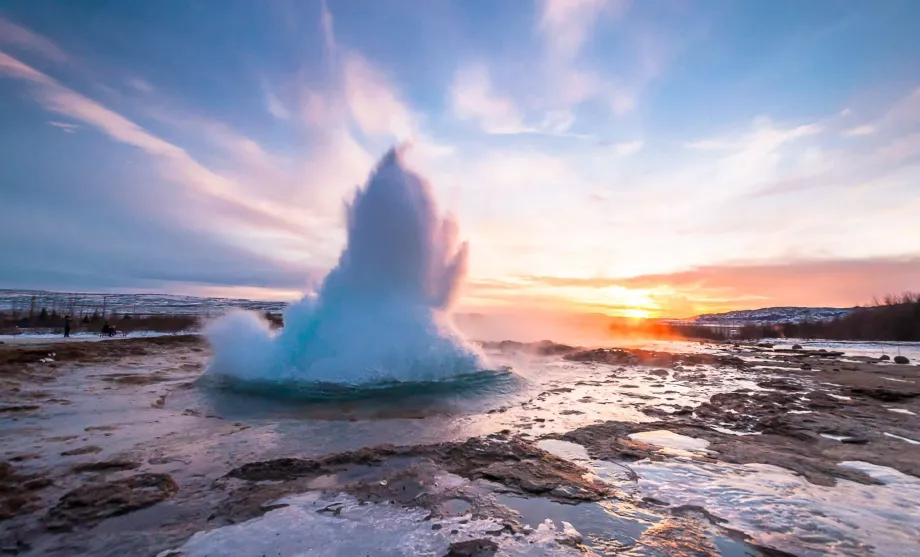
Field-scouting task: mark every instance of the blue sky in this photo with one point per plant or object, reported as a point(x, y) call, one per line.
point(672, 155)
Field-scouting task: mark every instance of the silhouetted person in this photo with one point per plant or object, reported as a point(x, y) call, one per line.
point(108, 330)
point(66, 326)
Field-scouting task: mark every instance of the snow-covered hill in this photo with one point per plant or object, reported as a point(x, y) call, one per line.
point(774, 315)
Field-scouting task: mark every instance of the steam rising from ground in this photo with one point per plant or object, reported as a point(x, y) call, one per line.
point(381, 315)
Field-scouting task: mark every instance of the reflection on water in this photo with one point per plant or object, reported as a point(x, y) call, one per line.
point(468, 393)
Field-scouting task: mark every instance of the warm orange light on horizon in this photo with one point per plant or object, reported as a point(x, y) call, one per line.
point(637, 313)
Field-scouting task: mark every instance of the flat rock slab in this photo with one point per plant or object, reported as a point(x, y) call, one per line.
point(93, 502)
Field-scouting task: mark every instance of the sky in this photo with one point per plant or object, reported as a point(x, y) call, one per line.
point(654, 158)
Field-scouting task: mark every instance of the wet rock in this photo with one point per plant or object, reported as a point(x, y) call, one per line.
point(19, 408)
point(511, 462)
point(884, 394)
point(884, 358)
point(854, 440)
point(17, 491)
point(679, 537)
point(91, 503)
point(483, 547)
point(515, 463)
point(798, 451)
point(783, 425)
point(105, 466)
point(280, 469)
point(659, 372)
point(901, 360)
point(780, 385)
point(91, 449)
point(62, 438)
point(820, 400)
point(135, 378)
point(796, 346)
point(550, 348)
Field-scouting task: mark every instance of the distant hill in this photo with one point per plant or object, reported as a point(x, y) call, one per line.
point(22, 301)
point(772, 316)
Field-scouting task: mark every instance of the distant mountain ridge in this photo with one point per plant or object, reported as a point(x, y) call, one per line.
point(772, 315)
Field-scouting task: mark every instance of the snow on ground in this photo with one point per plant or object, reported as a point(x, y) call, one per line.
point(39, 338)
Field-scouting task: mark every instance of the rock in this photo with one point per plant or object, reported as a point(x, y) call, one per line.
point(901, 360)
point(780, 385)
point(884, 394)
point(854, 440)
point(17, 491)
point(20, 408)
point(884, 358)
point(796, 346)
point(93, 502)
point(105, 466)
point(92, 449)
point(483, 547)
point(280, 469)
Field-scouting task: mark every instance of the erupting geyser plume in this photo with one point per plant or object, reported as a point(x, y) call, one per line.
point(381, 315)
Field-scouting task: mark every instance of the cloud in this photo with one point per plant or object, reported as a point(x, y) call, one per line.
point(890, 145)
point(859, 130)
point(176, 164)
point(833, 282)
point(326, 22)
point(567, 24)
point(275, 107)
point(472, 98)
point(373, 102)
point(140, 85)
point(558, 121)
point(20, 37)
point(628, 148)
point(64, 126)
point(622, 102)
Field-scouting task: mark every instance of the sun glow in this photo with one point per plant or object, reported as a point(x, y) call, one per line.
point(636, 313)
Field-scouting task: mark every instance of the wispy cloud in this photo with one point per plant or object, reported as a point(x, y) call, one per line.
point(472, 97)
point(275, 107)
point(64, 126)
point(326, 23)
point(373, 102)
point(140, 85)
point(627, 148)
point(860, 130)
point(567, 24)
point(20, 37)
point(176, 163)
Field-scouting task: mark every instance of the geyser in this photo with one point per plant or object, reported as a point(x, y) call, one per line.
point(381, 315)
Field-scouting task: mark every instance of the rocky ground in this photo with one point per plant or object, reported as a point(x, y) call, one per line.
point(147, 481)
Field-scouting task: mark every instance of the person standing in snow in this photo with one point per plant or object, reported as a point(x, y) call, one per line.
point(66, 326)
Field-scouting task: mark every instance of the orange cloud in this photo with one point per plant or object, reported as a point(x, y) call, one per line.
point(841, 283)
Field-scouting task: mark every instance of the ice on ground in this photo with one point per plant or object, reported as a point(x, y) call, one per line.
point(834, 437)
point(670, 440)
point(27, 338)
point(911, 441)
point(902, 411)
point(341, 526)
point(785, 511)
